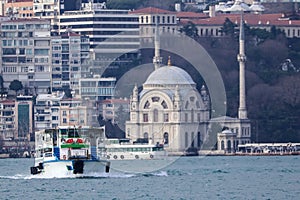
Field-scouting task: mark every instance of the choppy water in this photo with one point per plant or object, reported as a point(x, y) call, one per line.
point(186, 178)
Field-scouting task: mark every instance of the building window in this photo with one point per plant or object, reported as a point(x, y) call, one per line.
point(222, 145)
point(64, 113)
point(147, 104)
point(166, 138)
point(199, 139)
point(146, 135)
point(166, 117)
point(192, 115)
point(186, 139)
point(145, 117)
point(164, 105)
point(186, 117)
point(192, 138)
point(155, 115)
point(64, 120)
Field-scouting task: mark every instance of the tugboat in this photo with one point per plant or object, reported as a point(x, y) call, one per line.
point(69, 150)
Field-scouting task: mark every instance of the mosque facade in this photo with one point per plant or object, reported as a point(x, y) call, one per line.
point(169, 110)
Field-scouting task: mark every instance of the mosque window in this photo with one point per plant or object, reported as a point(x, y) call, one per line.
point(199, 139)
point(146, 135)
point(222, 145)
point(166, 117)
point(147, 105)
point(145, 117)
point(186, 104)
point(155, 115)
point(186, 139)
point(198, 117)
point(192, 138)
point(192, 99)
point(155, 99)
point(192, 115)
point(186, 117)
point(166, 138)
point(164, 105)
point(229, 145)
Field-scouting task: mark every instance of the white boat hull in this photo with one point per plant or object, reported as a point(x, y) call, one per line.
point(67, 168)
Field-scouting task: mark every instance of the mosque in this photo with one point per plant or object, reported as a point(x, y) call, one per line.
point(170, 111)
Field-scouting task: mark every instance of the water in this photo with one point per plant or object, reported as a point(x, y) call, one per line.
point(187, 178)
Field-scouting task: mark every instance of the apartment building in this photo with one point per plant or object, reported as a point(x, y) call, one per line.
point(114, 34)
point(17, 8)
point(70, 60)
point(26, 53)
point(16, 118)
point(97, 88)
point(47, 110)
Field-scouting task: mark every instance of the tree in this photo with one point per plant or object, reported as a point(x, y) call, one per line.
point(2, 89)
point(16, 85)
point(190, 30)
point(124, 4)
point(228, 28)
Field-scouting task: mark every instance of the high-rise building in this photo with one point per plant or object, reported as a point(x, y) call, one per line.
point(26, 53)
point(114, 34)
point(70, 60)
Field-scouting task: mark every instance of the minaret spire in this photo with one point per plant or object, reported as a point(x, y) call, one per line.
point(157, 60)
point(241, 57)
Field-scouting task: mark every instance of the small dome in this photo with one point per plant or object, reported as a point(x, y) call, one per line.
point(169, 75)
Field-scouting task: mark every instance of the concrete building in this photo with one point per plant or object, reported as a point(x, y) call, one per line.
point(17, 8)
point(16, 119)
point(97, 88)
point(70, 60)
point(151, 17)
point(26, 53)
point(73, 112)
point(47, 111)
point(114, 34)
point(111, 108)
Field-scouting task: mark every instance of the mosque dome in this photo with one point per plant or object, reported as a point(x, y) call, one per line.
point(169, 75)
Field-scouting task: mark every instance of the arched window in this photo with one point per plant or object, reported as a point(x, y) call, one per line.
point(146, 135)
point(229, 145)
point(222, 145)
point(155, 115)
point(186, 139)
point(166, 138)
point(199, 139)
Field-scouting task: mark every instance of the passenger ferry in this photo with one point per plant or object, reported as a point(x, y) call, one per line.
point(69, 150)
point(125, 149)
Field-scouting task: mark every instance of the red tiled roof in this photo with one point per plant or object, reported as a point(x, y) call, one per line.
point(151, 10)
point(251, 19)
point(190, 15)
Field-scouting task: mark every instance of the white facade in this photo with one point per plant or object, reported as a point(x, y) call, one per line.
point(169, 110)
point(26, 53)
point(112, 33)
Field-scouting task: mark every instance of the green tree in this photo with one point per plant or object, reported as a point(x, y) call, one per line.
point(228, 28)
point(190, 30)
point(2, 89)
point(124, 4)
point(16, 85)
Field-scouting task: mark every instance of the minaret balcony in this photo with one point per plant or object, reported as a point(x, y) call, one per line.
point(241, 58)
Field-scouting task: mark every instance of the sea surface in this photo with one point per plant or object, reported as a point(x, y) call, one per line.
point(218, 177)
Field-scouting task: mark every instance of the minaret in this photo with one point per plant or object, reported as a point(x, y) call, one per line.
point(157, 60)
point(241, 57)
